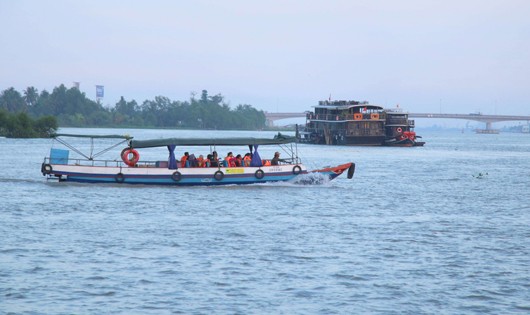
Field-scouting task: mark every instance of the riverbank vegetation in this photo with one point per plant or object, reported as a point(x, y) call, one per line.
point(20, 125)
point(72, 108)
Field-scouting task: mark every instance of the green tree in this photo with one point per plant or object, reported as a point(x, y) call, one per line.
point(46, 126)
point(126, 108)
point(12, 101)
point(21, 125)
point(72, 108)
point(31, 96)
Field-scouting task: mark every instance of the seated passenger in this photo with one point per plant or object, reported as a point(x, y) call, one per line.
point(238, 161)
point(214, 161)
point(229, 160)
point(247, 159)
point(200, 161)
point(184, 159)
point(192, 161)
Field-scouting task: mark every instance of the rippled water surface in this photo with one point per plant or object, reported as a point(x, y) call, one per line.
point(416, 231)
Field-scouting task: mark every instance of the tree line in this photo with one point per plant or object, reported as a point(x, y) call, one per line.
point(21, 125)
point(71, 108)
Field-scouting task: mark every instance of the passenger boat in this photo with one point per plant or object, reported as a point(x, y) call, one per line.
point(358, 123)
point(128, 168)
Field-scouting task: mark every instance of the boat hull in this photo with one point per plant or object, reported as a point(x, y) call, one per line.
point(182, 176)
point(404, 143)
point(361, 141)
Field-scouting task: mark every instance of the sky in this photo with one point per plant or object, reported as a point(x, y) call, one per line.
point(435, 56)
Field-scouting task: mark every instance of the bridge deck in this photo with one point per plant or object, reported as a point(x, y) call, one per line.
point(488, 119)
point(476, 117)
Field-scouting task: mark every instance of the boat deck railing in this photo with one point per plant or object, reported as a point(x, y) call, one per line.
point(155, 164)
point(106, 163)
point(348, 117)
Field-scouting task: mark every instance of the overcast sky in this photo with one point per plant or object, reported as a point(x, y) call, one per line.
point(454, 56)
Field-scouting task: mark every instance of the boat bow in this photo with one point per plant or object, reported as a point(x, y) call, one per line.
point(335, 171)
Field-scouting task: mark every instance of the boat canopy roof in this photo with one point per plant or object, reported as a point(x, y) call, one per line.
point(127, 137)
point(278, 139)
point(342, 107)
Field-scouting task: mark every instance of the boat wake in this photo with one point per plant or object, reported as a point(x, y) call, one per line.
point(311, 179)
point(20, 180)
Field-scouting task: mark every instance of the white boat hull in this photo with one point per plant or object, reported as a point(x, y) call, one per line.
point(181, 176)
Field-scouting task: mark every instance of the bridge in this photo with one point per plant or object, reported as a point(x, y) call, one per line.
point(271, 117)
point(488, 119)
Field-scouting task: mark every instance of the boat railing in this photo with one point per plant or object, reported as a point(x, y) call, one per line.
point(344, 117)
point(397, 120)
point(157, 164)
point(102, 163)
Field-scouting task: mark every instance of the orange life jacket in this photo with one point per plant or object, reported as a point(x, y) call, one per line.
point(183, 160)
point(246, 160)
point(200, 162)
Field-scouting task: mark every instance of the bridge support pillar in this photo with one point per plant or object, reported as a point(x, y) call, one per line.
point(488, 125)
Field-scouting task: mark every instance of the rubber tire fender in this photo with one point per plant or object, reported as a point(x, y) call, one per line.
point(297, 169)
point(119, 178)
point(259, 174)
point(46, 169)
point(219, 175)
point(176, 176)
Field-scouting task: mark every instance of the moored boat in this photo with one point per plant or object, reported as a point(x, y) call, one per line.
point(358, 123)
point(130, 169)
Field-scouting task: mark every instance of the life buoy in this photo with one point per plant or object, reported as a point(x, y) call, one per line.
point(219, 175)
point(46, 169)
point(374, 116)
point(130, 161)
point(119, 178)
point(399, 129)
point(176, 176)
point(358, 116)
point(123, 151)
point(297, 169)
point(259, 174)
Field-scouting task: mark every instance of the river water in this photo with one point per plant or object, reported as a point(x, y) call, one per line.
point(416, 231)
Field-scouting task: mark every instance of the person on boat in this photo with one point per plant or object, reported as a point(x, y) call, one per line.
point(214, 160)
point(238, 161)
point(276, 159)
point(247, 159)
point(229, 160)
point(184, 159)
point(200, 161)
point(192, 161)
